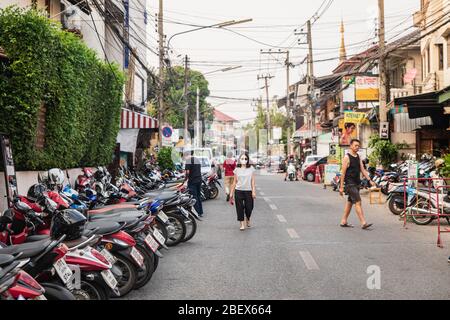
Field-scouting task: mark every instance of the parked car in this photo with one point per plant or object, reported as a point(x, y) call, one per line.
point(309, 173)
point(309, 161)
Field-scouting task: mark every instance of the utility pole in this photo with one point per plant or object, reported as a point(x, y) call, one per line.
point(382, 63)
point(161, 70)
point(266, 85)
point(288, 101)
point(186, 97)
point(197, 111)
point(311, 78)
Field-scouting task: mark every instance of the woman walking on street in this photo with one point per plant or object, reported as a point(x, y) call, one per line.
point(243, 191)
point(228, 166)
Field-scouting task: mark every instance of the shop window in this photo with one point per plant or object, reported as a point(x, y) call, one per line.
point(139, 90)
point(440, 52)
point(448, 52)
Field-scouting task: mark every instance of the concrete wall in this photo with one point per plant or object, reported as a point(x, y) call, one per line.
point(402, 137)
point(25, 179)
point(55, 6)
point(435, 78)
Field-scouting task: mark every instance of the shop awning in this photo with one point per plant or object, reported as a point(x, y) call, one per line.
point(134, 120)
point(422, 105)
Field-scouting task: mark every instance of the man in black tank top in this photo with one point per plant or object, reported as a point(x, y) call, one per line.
point(352, 167)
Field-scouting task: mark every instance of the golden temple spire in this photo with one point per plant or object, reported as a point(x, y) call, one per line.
point(342, 51)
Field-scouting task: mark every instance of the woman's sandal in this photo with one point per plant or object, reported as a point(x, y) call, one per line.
point(367, 226)
point(346, 225)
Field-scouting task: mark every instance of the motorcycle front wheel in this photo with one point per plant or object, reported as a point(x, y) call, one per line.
point(90, 290)
point(213, 192)
point(191, 228)
point(422, 220)
point(129, 274)
point(180, 229)
point(394, 206)
point(56, 292)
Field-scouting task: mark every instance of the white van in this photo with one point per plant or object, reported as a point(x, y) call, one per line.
point(203, 153)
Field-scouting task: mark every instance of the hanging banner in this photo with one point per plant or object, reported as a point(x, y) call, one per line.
point(355, 117)
point(348, 93)
point(409, 76)
point(367, 88)
point(276, 133)
point(330, 172)
point(347, 132)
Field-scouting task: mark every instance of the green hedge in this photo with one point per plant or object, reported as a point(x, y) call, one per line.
point(82, 94)
point(164, 159)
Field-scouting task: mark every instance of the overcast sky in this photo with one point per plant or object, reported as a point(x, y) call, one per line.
point(272, 27)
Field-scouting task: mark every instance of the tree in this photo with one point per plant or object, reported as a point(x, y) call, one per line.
point(174, 101)
point(52, 78)
point(277, 119)
point(384, 152)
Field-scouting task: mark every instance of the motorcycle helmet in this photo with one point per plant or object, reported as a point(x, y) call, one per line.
point(439, 162)
point(68, 222)
point(55, 177)
point(37, 192)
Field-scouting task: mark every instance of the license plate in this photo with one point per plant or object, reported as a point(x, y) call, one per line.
point(137, 257)
point(163, 216)
point(159, 236)
point(109, 278)
point(63, 270)
point(151, 243)
point(108, 256)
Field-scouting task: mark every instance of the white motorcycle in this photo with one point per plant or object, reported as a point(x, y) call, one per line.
point(291, 171)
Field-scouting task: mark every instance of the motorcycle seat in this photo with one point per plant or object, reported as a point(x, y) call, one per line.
point(127, 218)
point(6, 259)
point(173, 183)
point(104, 226)
point(160, 193)
point(113, 208)
point(37, 237)
point(28, 249)
point(115, 213)
point(167, 197)
point(74, 243)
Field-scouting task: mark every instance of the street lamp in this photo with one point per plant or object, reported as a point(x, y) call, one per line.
point(223, 70)
point(217, 25)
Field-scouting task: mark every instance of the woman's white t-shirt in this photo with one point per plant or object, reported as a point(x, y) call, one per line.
point(244, 178)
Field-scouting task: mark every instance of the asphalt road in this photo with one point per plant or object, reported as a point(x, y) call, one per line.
point(296, 250)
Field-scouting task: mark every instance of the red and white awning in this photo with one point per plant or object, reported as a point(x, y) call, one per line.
point(134, 120)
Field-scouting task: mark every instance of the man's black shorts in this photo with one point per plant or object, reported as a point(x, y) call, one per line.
point(353, 193)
